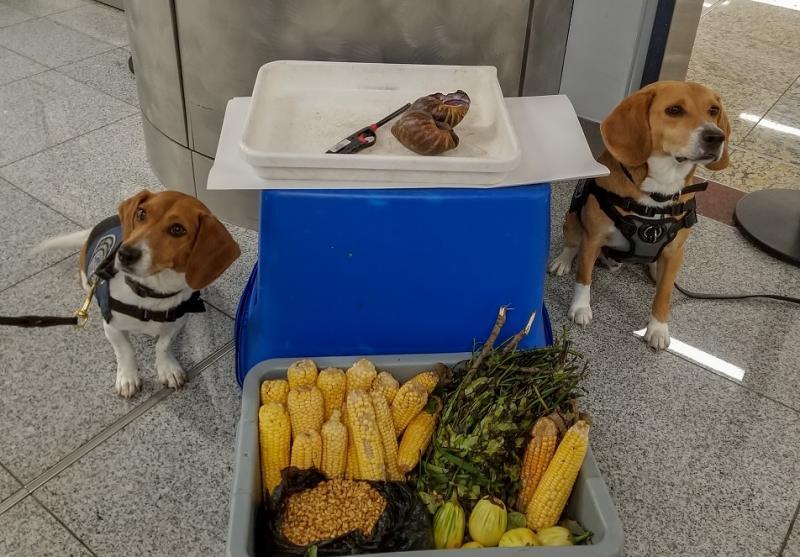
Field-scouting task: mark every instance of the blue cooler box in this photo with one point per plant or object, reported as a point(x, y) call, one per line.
point(393, 271)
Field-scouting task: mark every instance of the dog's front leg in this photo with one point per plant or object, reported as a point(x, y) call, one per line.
point(580, 310)
point(669, 263)
point(170, 371)
point(128, 382)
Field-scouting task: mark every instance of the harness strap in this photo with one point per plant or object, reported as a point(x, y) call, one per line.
point(629, 204)
point(193, 305)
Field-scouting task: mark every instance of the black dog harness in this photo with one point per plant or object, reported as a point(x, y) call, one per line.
point(647, 234)
point(102, 246)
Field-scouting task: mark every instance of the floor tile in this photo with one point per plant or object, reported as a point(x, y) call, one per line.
point(766, 22)
point(225, 293)
point(10, 16)
point(162, 484)
point(793, 545)
point(56, 385)
point(8, 484)
point(709, 5)
point(107, 72)
point(24, 222)
point(718, 202)
point(45, 7)
point(29, 530)
point(101, 22)
point(95, 172)
point(14, 67)
point(778, 133)
point(49, 108)
point(751, 171)
point(49, 43)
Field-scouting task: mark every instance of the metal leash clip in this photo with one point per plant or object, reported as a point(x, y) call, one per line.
point(82, 313)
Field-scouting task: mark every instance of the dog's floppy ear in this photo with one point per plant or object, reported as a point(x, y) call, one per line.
point(213, 252)
point(626, 131)
point(725, 125)
point(127, 210)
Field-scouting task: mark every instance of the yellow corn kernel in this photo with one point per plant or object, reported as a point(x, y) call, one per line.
point(408, 402)
point(415, 441)
point(383, 417)
point(332, 382)
point(302, 373)
point(555, 487)
point(307, 450)
point(274, 389)
point(274, 433)
point(385, 383)
point(361, 375)
point(427, 379)
point(334, 446)
point(306, 409)
point(541, 447)
point(351, 466)
point(366, 436)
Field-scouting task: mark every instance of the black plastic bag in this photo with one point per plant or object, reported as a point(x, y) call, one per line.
point(405, 523)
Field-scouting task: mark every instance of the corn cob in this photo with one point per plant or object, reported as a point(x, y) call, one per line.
point(427, 379)
point(274, 389)
point(366, 436)
point(385, 383)
point(544, 438)
point(383, 417)
point(307, 450)
point(361, 375)
point(416, 439)
point(351, 466)
point(550, 496)
point(408, 402)
point(274, 432)
point(334, 447)
point(306, 409)
point(332, 382)
point(302, 372)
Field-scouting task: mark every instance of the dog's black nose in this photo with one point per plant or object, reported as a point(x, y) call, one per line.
point(712, 137)
point(128, 255)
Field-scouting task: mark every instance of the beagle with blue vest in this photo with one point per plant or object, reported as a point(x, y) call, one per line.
point(643, 211)
point(150, 262)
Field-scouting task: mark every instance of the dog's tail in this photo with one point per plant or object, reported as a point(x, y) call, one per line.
point(73, 240)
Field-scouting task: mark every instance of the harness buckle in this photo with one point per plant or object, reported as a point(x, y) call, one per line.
point(82, 313)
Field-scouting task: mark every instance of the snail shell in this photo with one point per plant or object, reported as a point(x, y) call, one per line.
point(452, 107)
point(422, 134)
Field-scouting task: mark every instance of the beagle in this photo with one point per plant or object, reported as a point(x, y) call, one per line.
point(149, 263)
point(643, 210)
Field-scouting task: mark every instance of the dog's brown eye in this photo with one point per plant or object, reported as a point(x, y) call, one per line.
point(140, 214)
point(675, 110)
point(177, 230)
point(714, 110)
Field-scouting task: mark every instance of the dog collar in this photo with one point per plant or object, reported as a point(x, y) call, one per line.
point(664, 197)
point(145, 291)
point(193, 305)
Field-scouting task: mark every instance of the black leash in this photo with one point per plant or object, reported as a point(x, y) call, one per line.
point(703, 296)
point(30, 321)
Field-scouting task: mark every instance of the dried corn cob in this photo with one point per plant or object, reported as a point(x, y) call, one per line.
point(334, 447)
point(408, 402)
point(351, 466)
point(383, 417)
point(274, 389)
point(274, 432)
point(541, 447)
point(366, 436)
point(302, 372)
point(416, 438)
point(427, 379)
point(307, 450)
point(550, 496)
point(361, 375)
point(306, 409)
point(385, 383)
point(332, 382)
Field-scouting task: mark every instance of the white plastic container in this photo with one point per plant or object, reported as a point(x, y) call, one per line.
point(301, 109)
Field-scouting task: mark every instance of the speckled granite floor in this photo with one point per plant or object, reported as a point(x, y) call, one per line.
point(697, 464)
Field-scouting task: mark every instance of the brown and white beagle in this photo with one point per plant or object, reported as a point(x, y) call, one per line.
point(654, 140)
point(151, 259)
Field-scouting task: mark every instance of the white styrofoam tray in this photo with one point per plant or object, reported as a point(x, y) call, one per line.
point(300, 109)
point(550, 136)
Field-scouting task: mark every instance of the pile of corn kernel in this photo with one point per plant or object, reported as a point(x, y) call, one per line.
point(331, 509)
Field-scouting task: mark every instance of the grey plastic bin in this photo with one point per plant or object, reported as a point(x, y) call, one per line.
point(590, 503)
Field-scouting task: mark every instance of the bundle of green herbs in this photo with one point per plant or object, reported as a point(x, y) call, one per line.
point(490, 405)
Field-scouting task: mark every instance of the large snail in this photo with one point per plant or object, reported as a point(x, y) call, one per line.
point(427, 127)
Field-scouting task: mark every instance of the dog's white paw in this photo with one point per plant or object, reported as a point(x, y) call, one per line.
point(128, 383)
point(171, 375)
point(580, 315)
point(657, 334)
point(562, 264)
